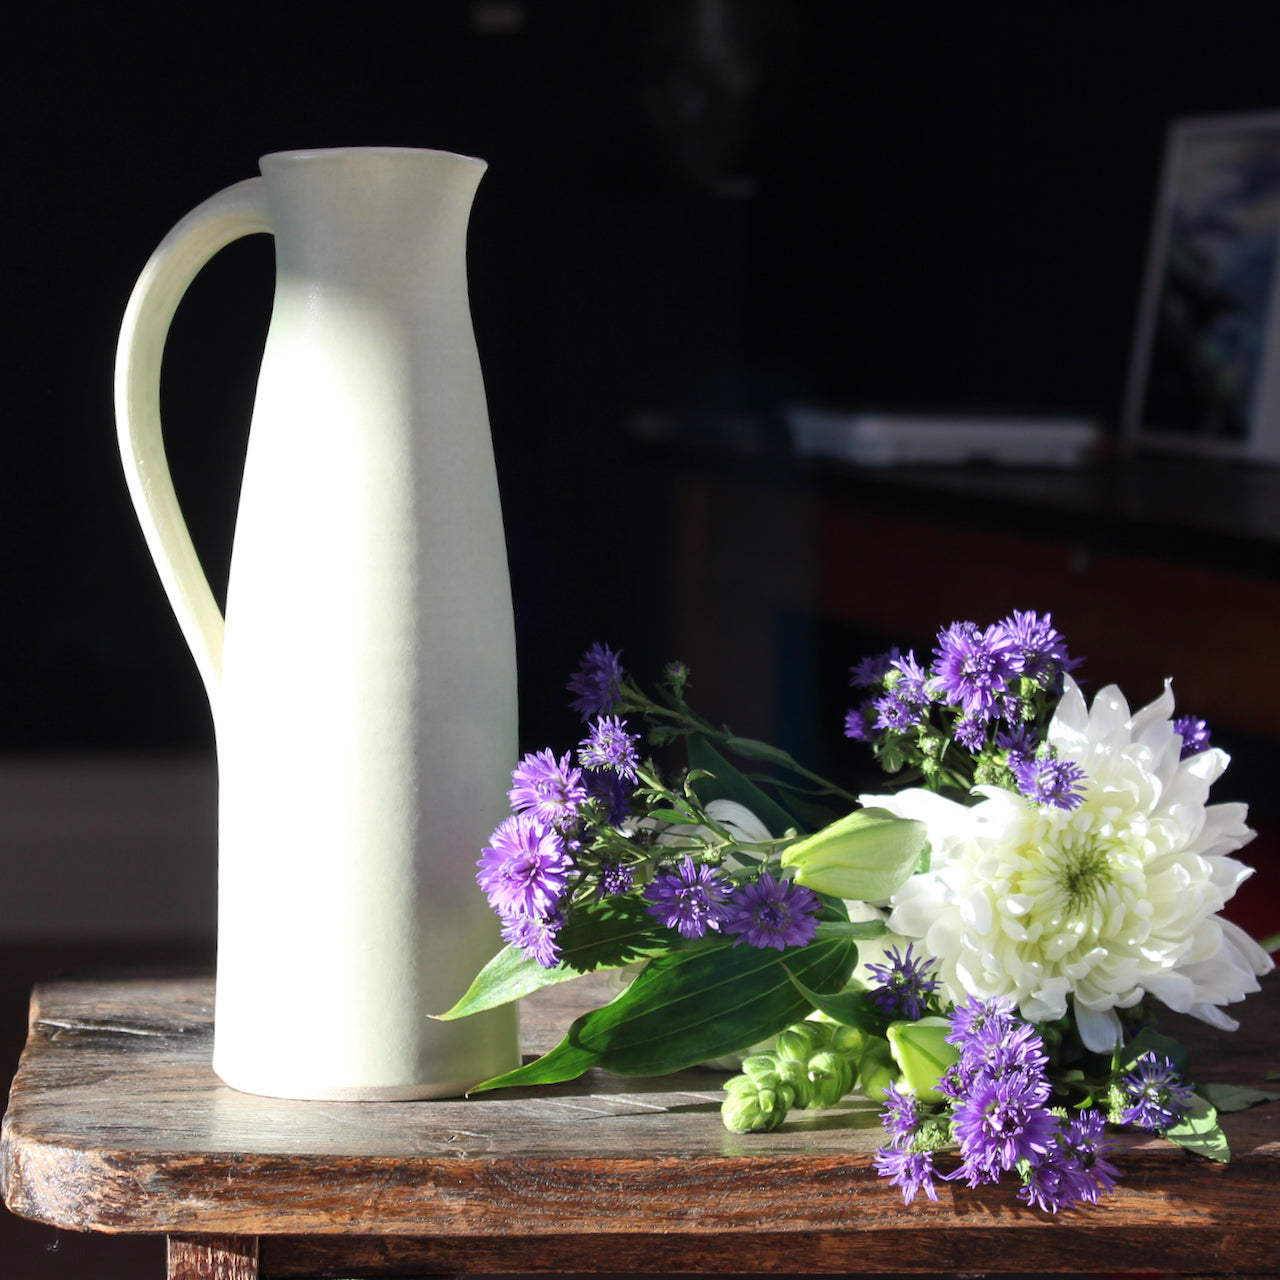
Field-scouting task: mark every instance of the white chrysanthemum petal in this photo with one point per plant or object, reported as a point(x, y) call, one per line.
point(1211, 1014)
point(1153, 712)
point(1099, 1028)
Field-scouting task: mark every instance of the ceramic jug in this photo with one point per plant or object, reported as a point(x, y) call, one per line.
point(363, 683)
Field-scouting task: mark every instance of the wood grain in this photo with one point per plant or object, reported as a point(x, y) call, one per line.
point(213, 1258)
point(117, 1123)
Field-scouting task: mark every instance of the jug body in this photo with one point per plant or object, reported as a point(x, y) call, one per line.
point(365, 702)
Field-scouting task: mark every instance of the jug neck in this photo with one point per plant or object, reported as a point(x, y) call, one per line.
point(359, 217)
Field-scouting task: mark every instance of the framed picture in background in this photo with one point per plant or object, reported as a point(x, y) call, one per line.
point(1205, 372)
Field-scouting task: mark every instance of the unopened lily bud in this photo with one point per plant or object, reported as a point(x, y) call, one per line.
point(923, 1055)
point(864, 856)
point(876, 1069)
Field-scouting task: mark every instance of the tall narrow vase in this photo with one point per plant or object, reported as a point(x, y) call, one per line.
point(363, 686)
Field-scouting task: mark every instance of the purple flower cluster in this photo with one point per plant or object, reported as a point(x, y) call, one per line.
point(694, 899)
point(528, 869)
point(998, 1099)
point(984, 691)
point(904, 985)
point(524, 871)
point(567, 840)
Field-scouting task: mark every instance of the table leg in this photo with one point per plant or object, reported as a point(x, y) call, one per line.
point(213, 1258)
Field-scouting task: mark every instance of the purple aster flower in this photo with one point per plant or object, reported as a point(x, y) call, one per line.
point(1040, 653)
point(973, 667)
point(900, 1115)
point(597, 682)
point(894, 712)
point(1049, 780)
point(909, 680)
point(971, 733)
point(910, 1170)
point(691, 899)
point(1057, 1182)
point(1085, 1136)
point(525, 868)
point(904, 984)
point(998, 1124)
point(1157, 1093)
point(615, 880)
point(536, 936)
point(610, 746)
point(548, 788)
point(855, 725)
point(1075, 1170)
point(870, 671)
point(1019, 740)
point(977, 1017)
point(773, 913)
point(1000, 1053)
point(1194, 733)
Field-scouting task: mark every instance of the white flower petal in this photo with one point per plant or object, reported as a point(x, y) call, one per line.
point(1099, 1028)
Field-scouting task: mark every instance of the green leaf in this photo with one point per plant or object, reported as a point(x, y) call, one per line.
point(852, 1007)
point(1235, 1097)
point(1149, 1040)
point(1200, 1132)
point(598, 935)
point(754, 749)
point(850, 929)
point(688, 1007)
point(725, 782)
point(674, 815)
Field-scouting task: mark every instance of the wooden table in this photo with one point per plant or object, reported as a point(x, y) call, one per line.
point(117, 1124)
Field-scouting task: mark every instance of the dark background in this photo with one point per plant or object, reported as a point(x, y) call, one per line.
point(706, 208)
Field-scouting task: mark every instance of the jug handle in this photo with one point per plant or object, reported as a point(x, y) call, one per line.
point(239, 210)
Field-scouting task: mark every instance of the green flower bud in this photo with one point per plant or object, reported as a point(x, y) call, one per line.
point(876, 1068)
point(923, 1055)
point(848, 1041)
point(794, 1075)
point(749, 1109)
point(830, 1078)
point(864, 856)
point(802, 1040)
point(761, 1069)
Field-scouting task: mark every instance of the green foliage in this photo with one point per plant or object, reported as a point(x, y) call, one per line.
point(1199, 1131)
point(599, 935)
point(687, 1007)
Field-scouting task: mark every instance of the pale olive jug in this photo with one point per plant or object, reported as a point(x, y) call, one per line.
point(363, 683)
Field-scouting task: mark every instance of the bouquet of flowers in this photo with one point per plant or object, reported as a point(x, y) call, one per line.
point(982, 948)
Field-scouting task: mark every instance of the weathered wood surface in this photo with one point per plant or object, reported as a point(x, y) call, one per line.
point(117, 1123)
point(214, 1258)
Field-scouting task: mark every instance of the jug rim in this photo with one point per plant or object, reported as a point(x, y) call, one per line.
point(336, 153)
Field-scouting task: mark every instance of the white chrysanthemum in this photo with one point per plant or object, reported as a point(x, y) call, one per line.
point(1103, 903)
